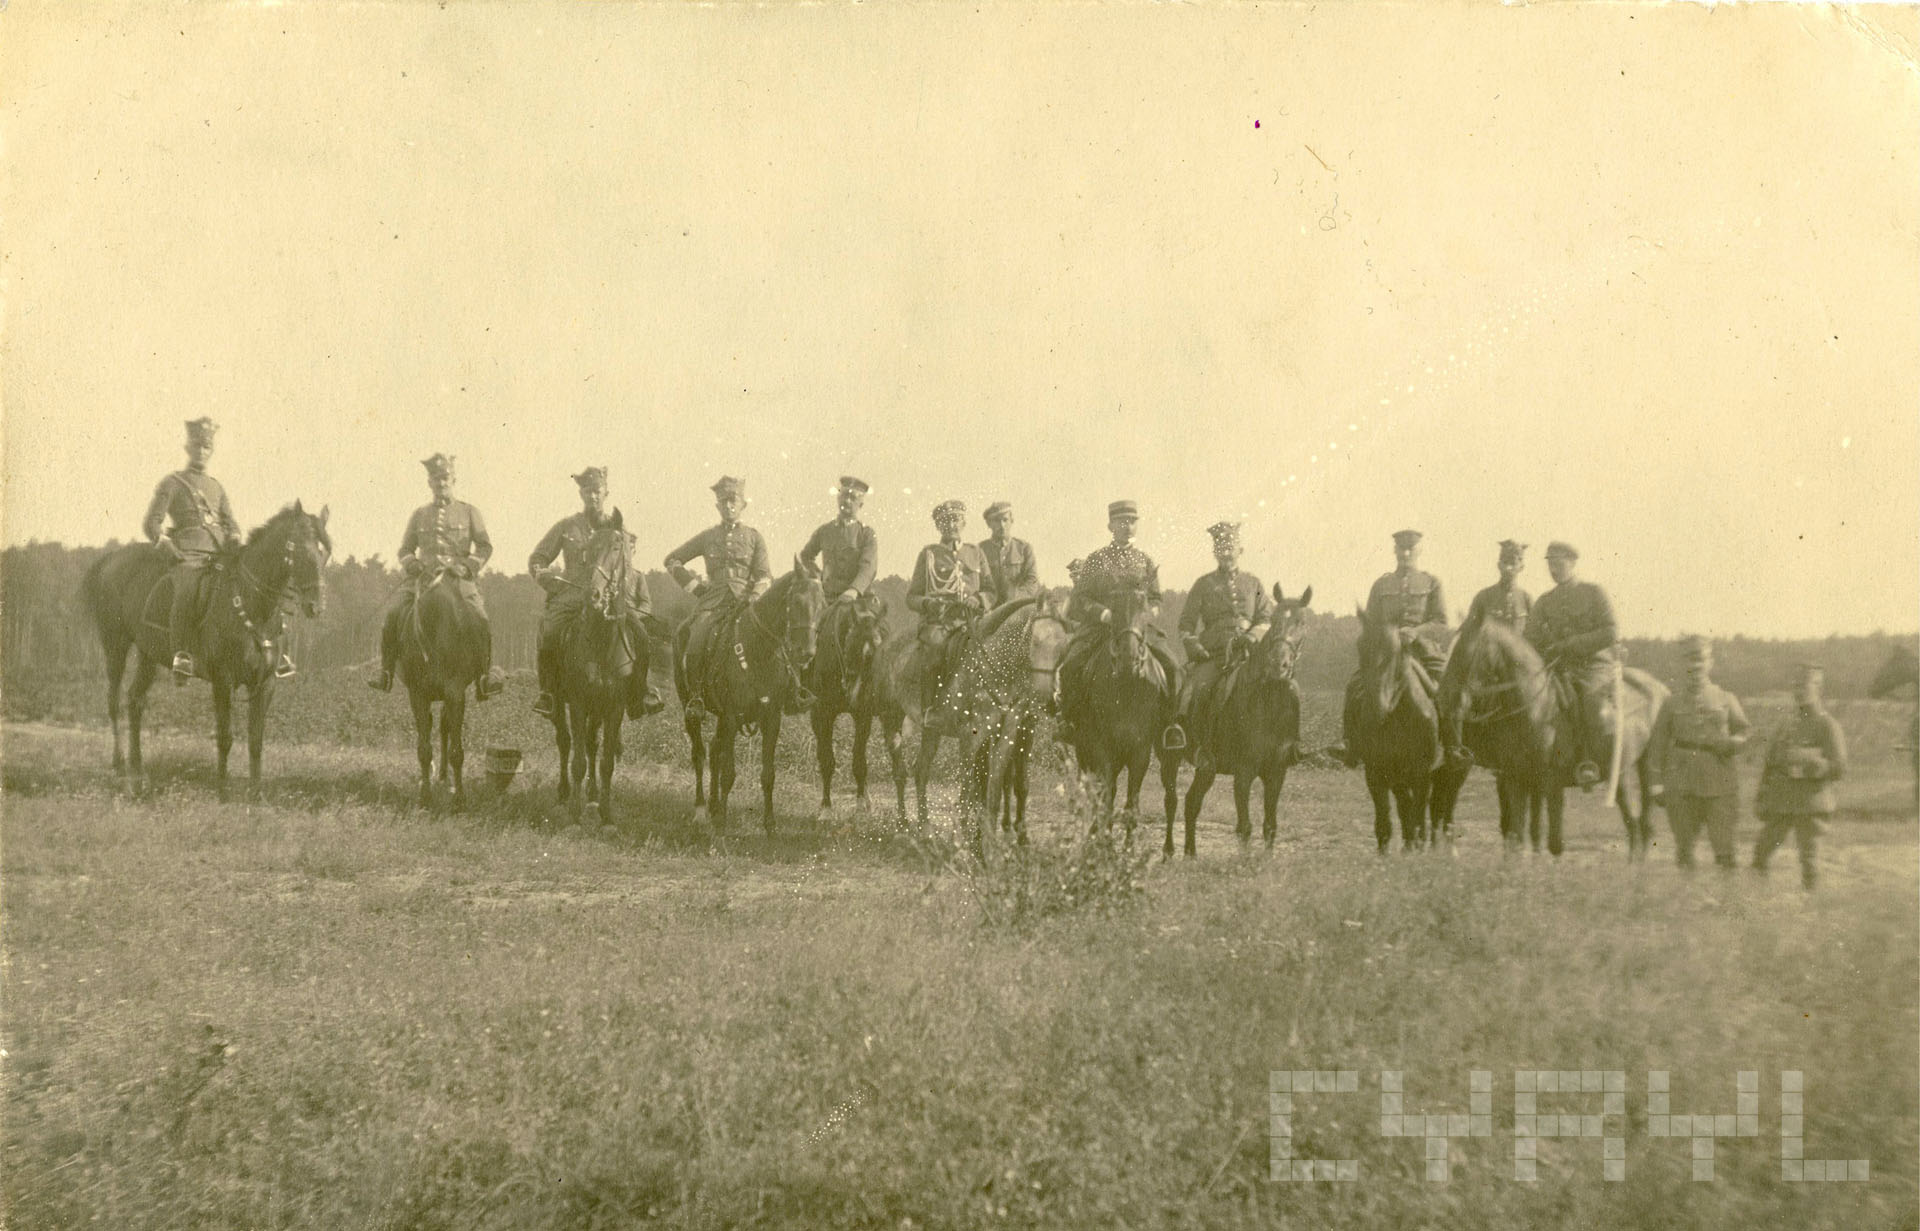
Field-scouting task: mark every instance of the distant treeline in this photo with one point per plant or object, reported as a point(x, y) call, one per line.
point(46, 628)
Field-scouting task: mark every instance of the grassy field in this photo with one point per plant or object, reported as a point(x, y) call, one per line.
point(329, 1009)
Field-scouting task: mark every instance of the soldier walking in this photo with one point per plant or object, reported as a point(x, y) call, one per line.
point(443, 536)
point(1572, 627)
point(1226, 611)
point(567, 588)
point(1696, 735)
point(735, 558)
point(189, 519)
point(1804, 759)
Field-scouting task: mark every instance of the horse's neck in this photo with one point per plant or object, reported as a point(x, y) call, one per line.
point(262, 575)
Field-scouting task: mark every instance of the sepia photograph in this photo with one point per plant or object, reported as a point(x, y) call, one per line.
point(931, 614)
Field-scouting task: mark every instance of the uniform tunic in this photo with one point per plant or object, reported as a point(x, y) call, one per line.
point(1411, 599)
point(736, 561)
point(1694, 740)
point(1504, 604)
point(1215, 607)
point(1811, 731)
point(1574, 623)
point(944, 572)
point(193, 508)
point(851, 552)
point(1108, 572)
point(444, 533)
point(1011, 572)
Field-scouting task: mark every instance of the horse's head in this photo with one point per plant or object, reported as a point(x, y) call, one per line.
point(292, 550)
point(801, 607)
point(1380, 654)
point(1278, 653)
point(610, 558)
point(1127, 642)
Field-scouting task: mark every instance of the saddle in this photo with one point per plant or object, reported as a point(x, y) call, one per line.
point(158, 608)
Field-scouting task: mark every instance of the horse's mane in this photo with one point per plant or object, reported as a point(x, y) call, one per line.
point(278, 520)
point(1499, 647)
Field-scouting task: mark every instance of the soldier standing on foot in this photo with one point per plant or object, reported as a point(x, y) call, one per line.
point(1699, 730)
point(1796, 787)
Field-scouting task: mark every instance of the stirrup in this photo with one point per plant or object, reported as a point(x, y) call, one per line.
point(1174, 738)
point(182, 668)
point(1586, 775)
point(543, 705)
point(489, 685)
point(284, 669)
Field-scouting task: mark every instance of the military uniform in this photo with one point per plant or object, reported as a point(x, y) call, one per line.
point(849, 552)
point(1011, 571)
point(1220, 607)
point(445, 536)
point(1804, 759)
point(1572, 626)
point(1502, 604)
point(1409, 598)
point(1691, 756)
point(1103, 576)
point(189, 510)
point(944, 577)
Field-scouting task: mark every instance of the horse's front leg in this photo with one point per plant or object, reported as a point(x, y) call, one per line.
point(923, 768)
point(563, 742)
point(697, 748)
point(823, 720)
point(222, 734)
point(576, 769)
point(769, 751)
point(862, 732)
point(1243, 807)
point(1556, 819)
point(609, 758)
point(453, 732)
point(721, 758)
point(897, 760)
point(423, 742)
point(1271, 785)
point(1203, 776)
point(1382, 810)
point(259, 697)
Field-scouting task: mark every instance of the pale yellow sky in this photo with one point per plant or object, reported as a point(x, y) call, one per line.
point(1643, 278)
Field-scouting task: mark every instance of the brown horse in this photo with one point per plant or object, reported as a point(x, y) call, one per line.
point(1511, 724)
point(600, 652)
point(757, 668)
point(442, 645)
point(1126, 701)
point(1902, 670)
point(842, 681)
point(248, 589)
point(1391, 726)
point(1004, 684)
point(1255, 727)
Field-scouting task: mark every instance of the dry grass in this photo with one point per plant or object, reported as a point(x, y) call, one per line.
point(332, 1010)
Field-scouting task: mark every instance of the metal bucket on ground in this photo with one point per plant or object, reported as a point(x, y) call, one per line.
point(502, 765)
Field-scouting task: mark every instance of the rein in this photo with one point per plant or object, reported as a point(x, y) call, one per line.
point(280, 596)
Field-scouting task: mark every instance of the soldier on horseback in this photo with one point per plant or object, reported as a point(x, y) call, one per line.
point(189, 519)
point(850, 551)
point(1011, 572)
point(1408, 601)
point(446, 536)
point(737, 572)
point(946, 592)
point(1572, 626)
point(1503, 602)
point(1103, 573)
point(1226, 611)
point(567, 590)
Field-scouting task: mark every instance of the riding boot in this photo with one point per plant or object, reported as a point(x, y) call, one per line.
point(383, 682)
point(544, 705)
point(696, 669)
point(180, 624)
point(491, 681)
point(642, 697)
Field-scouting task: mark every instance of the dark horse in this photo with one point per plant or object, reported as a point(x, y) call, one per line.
point(1128, 701)
point(1391, 726)
point(442, 647)
point(1510, 725)
point(598, 657)
point(842, 681)
point(1902, 670)
point(1255, 727)
point(756, 667)
point(248, 589)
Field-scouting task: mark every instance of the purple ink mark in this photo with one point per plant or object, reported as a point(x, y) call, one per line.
point(1256, 123)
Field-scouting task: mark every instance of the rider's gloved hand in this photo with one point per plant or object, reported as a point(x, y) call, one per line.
point(461, 569)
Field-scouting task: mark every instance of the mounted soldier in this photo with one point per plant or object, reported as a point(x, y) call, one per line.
point(1407, 605)
point(1503, 602)
point(735, 557)
point(444, 538)
point(846, 553)
point(189, 519)
point(947, 593)
point(568, 586)
point(1103, 574)
point(1226, 611)
point(1011, 572)
point(1572, 626)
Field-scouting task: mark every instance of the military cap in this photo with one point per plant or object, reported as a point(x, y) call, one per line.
point(1558, 548)
point(592, 476)
point(1406, 538)
point(440, 465)
point(949, 508)
point(1810, 668)
point(1695, 647)
point(850, 484)
point(1510, 550)
point(996, 509)
point(1224, 532)
point(1123, 508)
point(202, 428)
point(730, 486)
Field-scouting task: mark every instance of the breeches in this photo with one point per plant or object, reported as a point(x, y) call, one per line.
point(1774, 828)
point(1689, 814)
